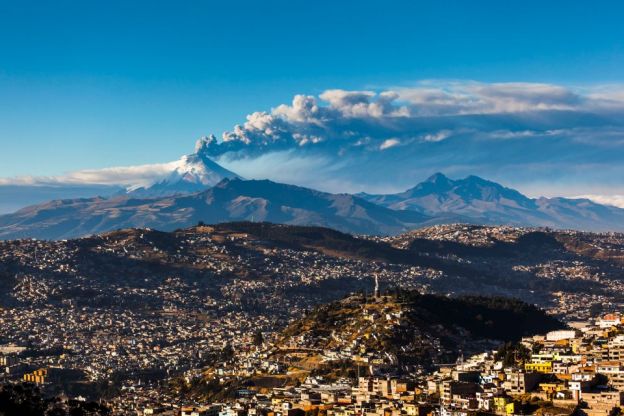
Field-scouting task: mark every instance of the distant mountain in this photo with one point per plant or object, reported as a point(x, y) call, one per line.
point(487, 202)
point(191, 173)
point(229, 200)
point(14, 197)
point(174, 203)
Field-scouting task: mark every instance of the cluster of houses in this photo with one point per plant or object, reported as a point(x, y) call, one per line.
point(101, 342)
point(579, 370)
point(582, 272)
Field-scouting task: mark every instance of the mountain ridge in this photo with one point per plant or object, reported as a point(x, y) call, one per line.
point(229, 200)
point(437, 200)
point(488, 202)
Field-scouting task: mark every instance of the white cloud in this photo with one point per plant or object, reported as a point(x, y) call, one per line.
point(453, 98)
point(437, 136)
point(524, 132)
point(140, 175)
point(614, 200)
point(339, 118)
point(387, 144)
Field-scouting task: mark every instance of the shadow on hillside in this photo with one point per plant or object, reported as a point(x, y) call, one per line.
point(533, 244)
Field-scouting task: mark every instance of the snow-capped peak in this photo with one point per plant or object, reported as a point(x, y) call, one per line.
point(190, 173)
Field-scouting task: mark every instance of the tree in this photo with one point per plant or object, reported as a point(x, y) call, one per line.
point(26, 400)
point(227, 353)
point(511, 354)
point(258, 339)
point(595, 309)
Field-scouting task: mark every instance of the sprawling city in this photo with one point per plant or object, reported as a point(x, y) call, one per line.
point(275, 319)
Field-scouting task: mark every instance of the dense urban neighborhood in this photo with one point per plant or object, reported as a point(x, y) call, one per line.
point(263, 319)
point(577, 370)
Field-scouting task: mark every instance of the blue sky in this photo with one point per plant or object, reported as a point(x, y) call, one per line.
point(99, 84)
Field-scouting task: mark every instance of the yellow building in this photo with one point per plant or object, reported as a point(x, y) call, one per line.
point(411, 409)
point(575, 344)
point(37, 376)
point(562, 343)
point(510, 408)
point(544, 367)
point(551, 388)
point(500, 404)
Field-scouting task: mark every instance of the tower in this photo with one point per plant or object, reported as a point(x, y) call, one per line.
point(376, 286)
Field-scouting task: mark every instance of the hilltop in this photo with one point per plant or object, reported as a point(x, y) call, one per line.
point(406, 331)
point(481, 201)
point(400, 333)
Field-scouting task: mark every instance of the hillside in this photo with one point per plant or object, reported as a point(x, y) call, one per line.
point(189, 292)
point(251, 264)
point(399, 333)
point(407, 331)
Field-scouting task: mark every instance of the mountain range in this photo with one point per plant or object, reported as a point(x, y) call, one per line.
point(487, 202)
point(199, 190)
point(229, 200)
